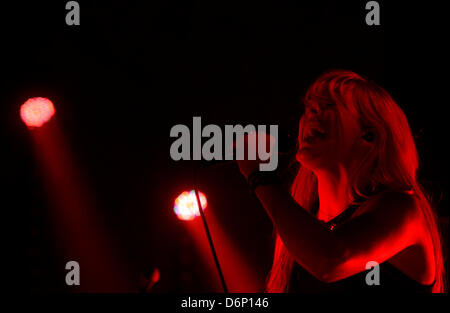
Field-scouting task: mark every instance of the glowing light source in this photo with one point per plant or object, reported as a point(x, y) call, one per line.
point(154, 278)
point(35, 112)
point(186, 207)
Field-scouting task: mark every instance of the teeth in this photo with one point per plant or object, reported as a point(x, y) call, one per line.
point(313, 132)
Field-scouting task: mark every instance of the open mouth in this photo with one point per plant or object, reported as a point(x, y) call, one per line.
point(314, 134)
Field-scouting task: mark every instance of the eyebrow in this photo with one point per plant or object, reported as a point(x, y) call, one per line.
point(308, 103)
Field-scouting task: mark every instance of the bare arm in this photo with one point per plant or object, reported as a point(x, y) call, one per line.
point(330, 256)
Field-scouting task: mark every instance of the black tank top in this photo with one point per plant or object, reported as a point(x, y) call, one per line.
point(391, 279)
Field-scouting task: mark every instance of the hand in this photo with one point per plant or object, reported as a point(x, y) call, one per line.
point(247, 167)
point(250, 146)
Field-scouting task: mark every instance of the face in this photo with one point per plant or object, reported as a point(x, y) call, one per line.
point(329, 134)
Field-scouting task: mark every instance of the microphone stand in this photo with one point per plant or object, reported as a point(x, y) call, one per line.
point(211, 245)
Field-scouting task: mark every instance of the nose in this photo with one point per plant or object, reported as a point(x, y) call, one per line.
point(316, 117)
point(315, 110)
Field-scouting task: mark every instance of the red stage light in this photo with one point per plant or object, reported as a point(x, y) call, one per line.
point(186, 207)
point(36, 111)
point(155, 275)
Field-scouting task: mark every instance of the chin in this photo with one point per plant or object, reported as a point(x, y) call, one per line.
point(311, 159)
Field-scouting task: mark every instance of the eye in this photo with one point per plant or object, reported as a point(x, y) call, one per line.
point(327, 105)
point(310, 109)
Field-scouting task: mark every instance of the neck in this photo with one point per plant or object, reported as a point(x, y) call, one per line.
point(334, 192)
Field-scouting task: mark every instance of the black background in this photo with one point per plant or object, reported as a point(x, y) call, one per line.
point(134, 69)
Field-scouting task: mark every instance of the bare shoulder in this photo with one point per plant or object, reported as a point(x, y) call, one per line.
point(417, 261)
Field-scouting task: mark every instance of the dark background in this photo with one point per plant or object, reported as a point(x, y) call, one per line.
point(134, 69)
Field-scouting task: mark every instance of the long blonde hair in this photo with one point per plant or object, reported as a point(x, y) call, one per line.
point(393, 162)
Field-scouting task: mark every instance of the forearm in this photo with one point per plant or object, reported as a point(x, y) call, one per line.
point(308, 240)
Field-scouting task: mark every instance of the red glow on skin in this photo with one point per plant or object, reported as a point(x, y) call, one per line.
point(356, 125)
point(35, 112)
point(186, 207)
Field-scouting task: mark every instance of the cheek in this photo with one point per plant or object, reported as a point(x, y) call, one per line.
point(349, 139)
point(343, 134)
point(346, 123)
point(351, 130)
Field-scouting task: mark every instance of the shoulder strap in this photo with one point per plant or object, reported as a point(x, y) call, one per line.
point(348, 212)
